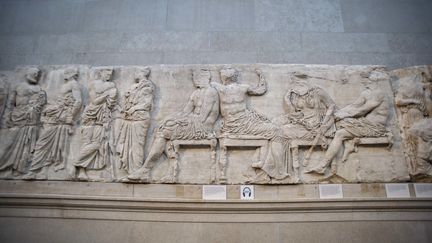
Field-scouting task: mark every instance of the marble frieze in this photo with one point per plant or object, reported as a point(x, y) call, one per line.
point(216, 124)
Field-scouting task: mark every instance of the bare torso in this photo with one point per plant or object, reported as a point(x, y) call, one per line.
point(232, 98)
point(205, 102)
point(381, 112)
point(24, 93)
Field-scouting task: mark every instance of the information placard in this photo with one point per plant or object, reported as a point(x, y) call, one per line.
point(397, 190)
point(423, 189)
point(330, 191)
point(214, 192)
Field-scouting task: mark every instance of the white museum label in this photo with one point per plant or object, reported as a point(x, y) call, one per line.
point(213, 192)
point(247, 192)
point(330, 191)
point(397, 190)
point(423, 189)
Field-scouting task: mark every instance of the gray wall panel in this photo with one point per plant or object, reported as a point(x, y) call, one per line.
point(387, 32)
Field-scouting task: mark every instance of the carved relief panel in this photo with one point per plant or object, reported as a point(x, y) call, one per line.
point(200, 124)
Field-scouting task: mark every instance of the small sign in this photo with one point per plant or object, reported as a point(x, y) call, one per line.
point(214, 192)
point(399, 190)
point(423, 189)
point(247, 192)
point(330, 191)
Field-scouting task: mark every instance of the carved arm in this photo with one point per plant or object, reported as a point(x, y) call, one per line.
point(261, 88)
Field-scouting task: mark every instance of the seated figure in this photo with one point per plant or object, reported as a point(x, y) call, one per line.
point(366, 117)
point(309, 116)
point(421, 131)
point(194, 122)
point(240, 120)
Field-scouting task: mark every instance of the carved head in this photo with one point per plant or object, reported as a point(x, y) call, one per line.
point(104, 73)
point(300, 84)
point(201, 77)
point(142, 74)
point(229, 75)
point(371, 79)
point(70, 74)
point(32, 75)
point(301, 87)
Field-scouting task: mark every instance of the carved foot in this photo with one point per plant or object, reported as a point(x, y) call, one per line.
point(259, 178)
point(83, 177)
point(16, 173)
point(258, 165)
point(124, 180)
point(30, 176)
point(295, 180)
point(168, 179)
point(350, 147)
point(318, 170)
point(333, 169)
point(59, 167)
point(70, 177)
point(137, 175)
point(222, 180)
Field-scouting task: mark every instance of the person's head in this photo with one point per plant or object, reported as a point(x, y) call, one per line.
point(70, 74)
point(32, 75)
point(104, 73)
point(142, 74)
point(300, 84)
point(201, 77)
point(229, 75)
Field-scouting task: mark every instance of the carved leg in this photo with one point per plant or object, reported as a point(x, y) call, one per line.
point(31, 175)
point(82, 174)
point(71, 175)
point(262, 156)
point(333, 167)
point(349, 147)
point(143, 173)
point(213, 168)
point(335, 145)
point(172, 152)
point(295, 163)
point(222, 165)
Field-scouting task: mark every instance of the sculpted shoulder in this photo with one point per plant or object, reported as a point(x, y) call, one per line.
point(211, 91)
point(71, 85)
point(378, 94)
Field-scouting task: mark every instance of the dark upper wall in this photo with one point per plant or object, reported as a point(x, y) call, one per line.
point(113, 32)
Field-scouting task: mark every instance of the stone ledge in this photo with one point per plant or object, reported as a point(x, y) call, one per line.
point(42, 206)
point(179, 192)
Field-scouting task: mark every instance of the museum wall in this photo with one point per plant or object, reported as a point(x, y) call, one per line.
point(93, 56)
point(395, 33)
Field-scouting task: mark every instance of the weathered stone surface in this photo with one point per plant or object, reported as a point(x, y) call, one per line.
point(413, 100)
point(291, 122)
